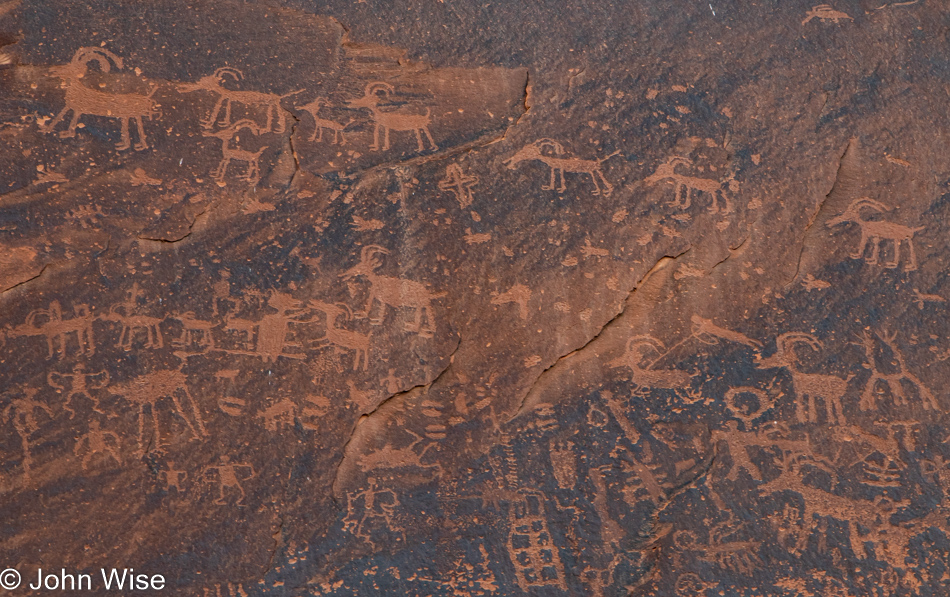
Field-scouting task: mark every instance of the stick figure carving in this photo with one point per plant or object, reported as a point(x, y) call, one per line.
point(808, 385)
point(877, 232)
point(82, 100)
point(274, 120)
point(559, 164)
point(97, 441)
point(80, 385)
point(684, 185)
point(394, 120)
point(228, 479)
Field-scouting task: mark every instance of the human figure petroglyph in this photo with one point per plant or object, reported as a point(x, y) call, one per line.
point(824, 12)
point(175, 478)
point(895, 379)
point(559, 164)
point(393, 292)
point(148, 389)
point(319, 123)
point(637, 349)
point(97, 441)
point(51, 324)
point(684, 186)
point(228, 473)
point(375, 503)
point(82, 100)
point(275, 119)
point(340, 337)
point(737, 441)
point(233, 153)
point(808, 386)
point(194, 331)
point(270, 340)
point(81, 384)
point(20, 411)
point(459, 184)
point(518, 294)
point(878, 232)
point(395, 120)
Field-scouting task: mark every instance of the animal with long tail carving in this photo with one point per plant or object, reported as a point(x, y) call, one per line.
point(559, 164)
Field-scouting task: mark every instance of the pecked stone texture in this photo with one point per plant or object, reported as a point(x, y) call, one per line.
point(454, 298)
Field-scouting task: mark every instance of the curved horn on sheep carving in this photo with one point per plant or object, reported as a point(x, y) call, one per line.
point(641, 341)
point(101, 56)
point(785, 341)
point(227, 70)
point(546, 142)
point(374, 87)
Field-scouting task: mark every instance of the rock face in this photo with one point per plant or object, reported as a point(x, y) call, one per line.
point(417, 298)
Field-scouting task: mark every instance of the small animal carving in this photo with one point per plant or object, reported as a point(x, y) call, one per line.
point(894, 379)
point(808, 385)
point(343, 338)
point(392, 120)
point(394, 292)
point(131, 322)
point(82, 100)
point(274, 120)
point(824, 12)
point(231, 152)
point(319, 124)
point(559, 164)
point(877, 233)
point(684, 186)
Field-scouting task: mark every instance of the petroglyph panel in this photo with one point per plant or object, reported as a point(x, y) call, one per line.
point(459, 299)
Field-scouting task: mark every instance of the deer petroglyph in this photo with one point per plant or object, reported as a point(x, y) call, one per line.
point(684, 186)
point(319, 123)
point(877, 233)
point(274, 120)
point(392, 120)
point(230, 152)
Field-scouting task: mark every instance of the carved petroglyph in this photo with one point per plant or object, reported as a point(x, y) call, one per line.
point(20, 411)
point(530, 543)
point(878, 233)
point(518, 294)
point(175, 478)
point(394, 292)
point(132, 322)
point(147, 390)
point(279, 415)
point(706, 331)
point(564, 463)
point(320, 124)
point(267, 337)
point(342, 338)
point(269, 103)
point(80, 384)
point(50, 323)
point(97, 442)
point(392, 120)
point(889, 366)
point(640, 348)
point(195, 332)
point(369, 504)
point(824, 12)
point(808, 386)
point(459, 184)
point(559, 164)
point(82, 100)
point(684, 186)
point(227, 479)
point(234, 153)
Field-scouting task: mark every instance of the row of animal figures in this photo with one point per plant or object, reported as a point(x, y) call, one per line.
point(266, 337)
point(643, 354)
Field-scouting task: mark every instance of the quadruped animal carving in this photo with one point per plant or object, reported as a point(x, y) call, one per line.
point(274, 121)
point(824, 12)
point(230, 152)
point(51, 324)
point(684, 186)
point(319, 123)
point(82, 100)
point(340, 337)
point(148, 389)
point(878, 232)
point(194, 331)
point(808, 386)
point(394, 292)
point(131, 321)
point(895, 379)
point(637, 349)
point(559, 164)
point(395, 120)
